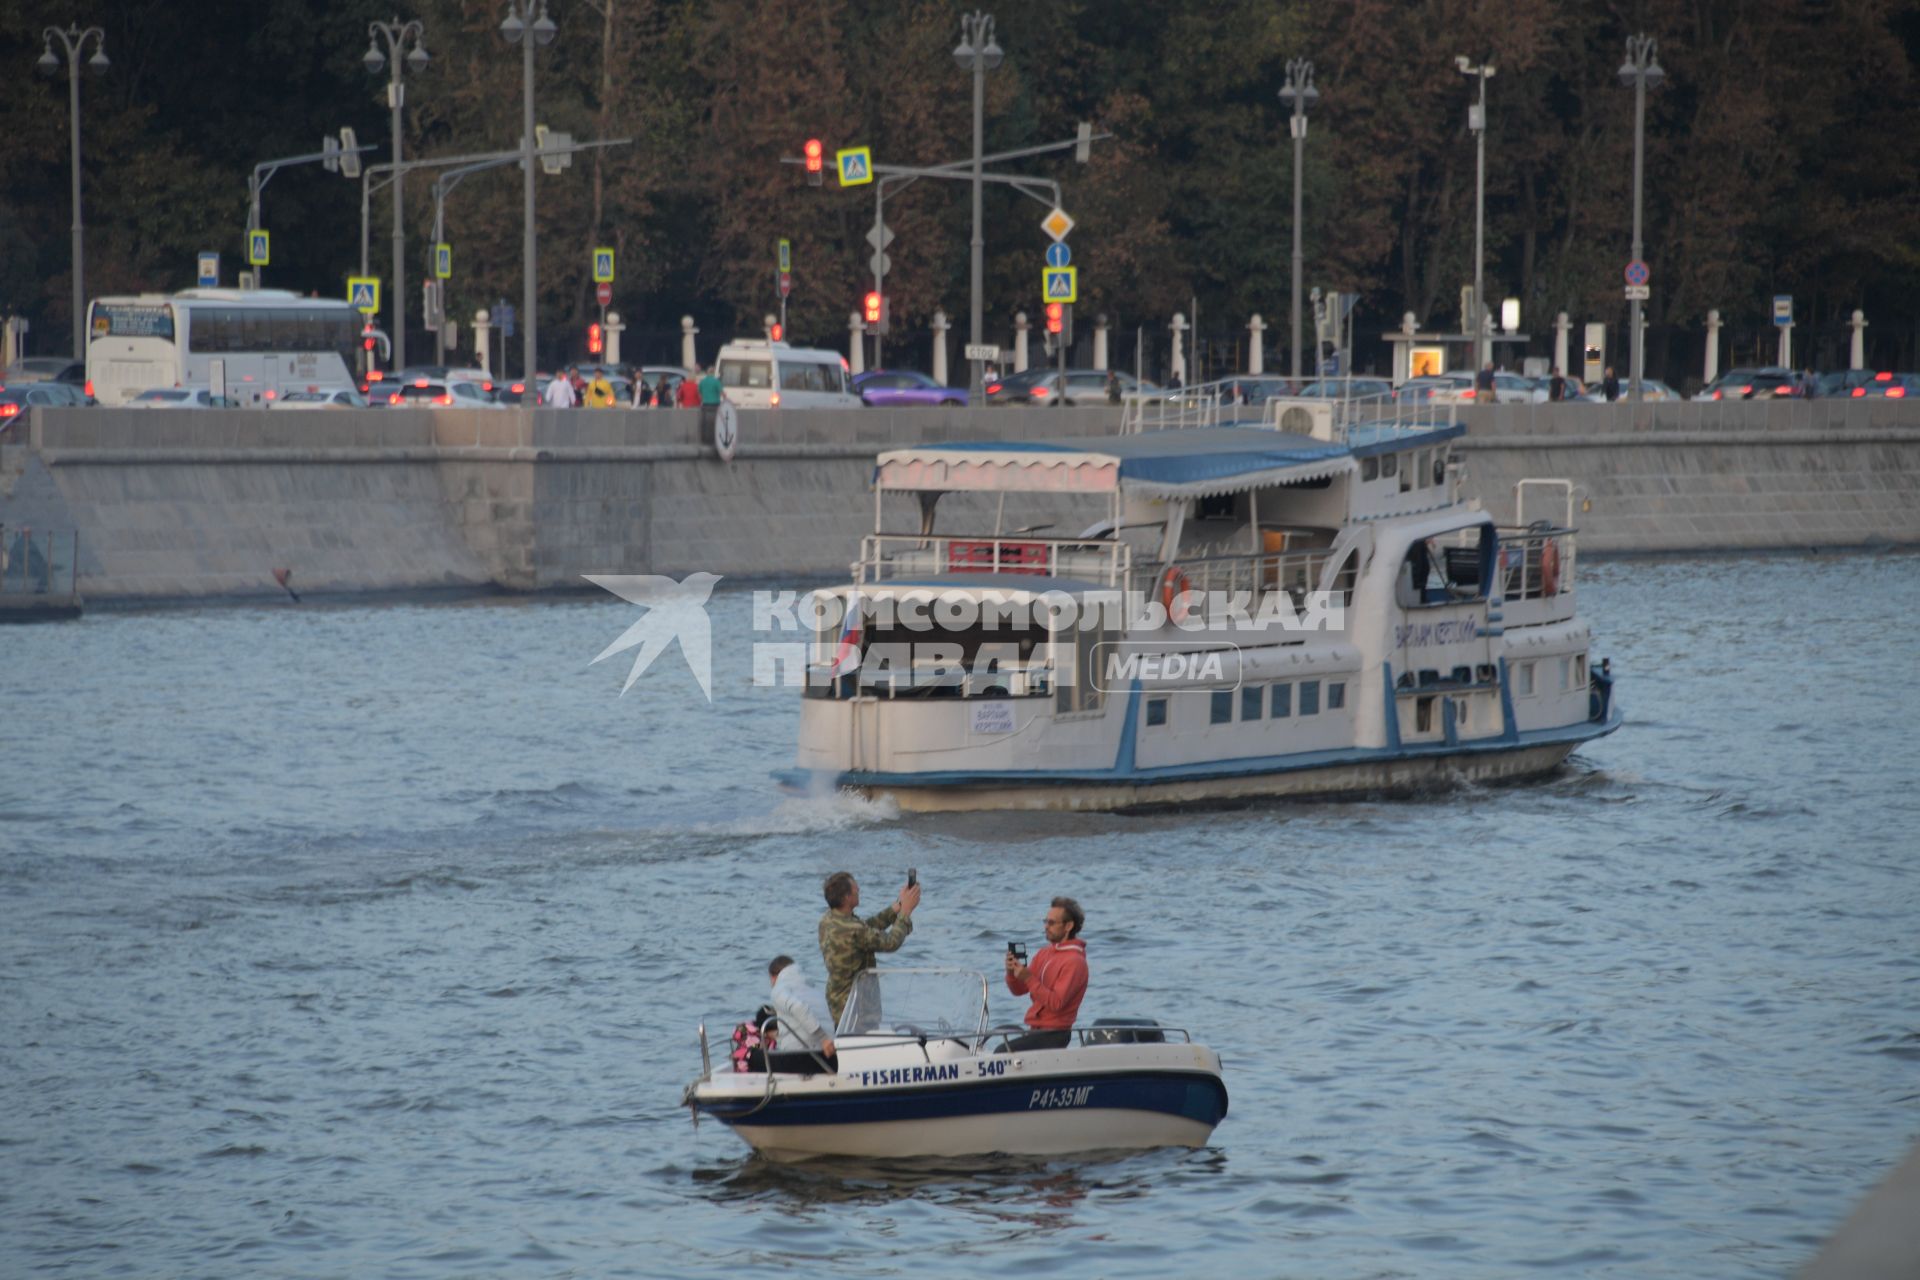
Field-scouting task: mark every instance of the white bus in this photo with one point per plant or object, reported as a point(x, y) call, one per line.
point(270, 340)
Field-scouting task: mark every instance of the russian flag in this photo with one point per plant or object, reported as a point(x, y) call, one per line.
point(846, 658)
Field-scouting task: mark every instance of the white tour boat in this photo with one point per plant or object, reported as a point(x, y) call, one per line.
point(918, 1072)
point(1297, 605)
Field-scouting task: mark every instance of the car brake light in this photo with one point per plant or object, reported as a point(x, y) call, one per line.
point(1468, 394)
point(419, 382)
point(374, 375)
point(518, 388)
point(776, 399)
point(443, 399)
point(1896, 393)
point(271, 394)
point(1746, 390)
point(1858, 392)
point(486, 386)
point(1041, 393)
point(89, 386)
point(1883, 376)
point(994, 390)
point(394, 398)
point(9, 410)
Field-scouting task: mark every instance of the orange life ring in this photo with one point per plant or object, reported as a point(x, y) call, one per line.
point(1550, 568)
point(1175, 588)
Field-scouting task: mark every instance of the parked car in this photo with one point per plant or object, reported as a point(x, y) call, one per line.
point(905, 387)
point(180, 398)
point(1838, 384)
point(446, 373)
point(1651, 390)
point(1012, 388)
point(427, 393)
point(17, 399)
point(320, 398)
point(1256, 388)
point(1348, 389)
point(1434, 388)
point(515, 391)
point(46, 369)
point(1755, 384)
point(1889, 386)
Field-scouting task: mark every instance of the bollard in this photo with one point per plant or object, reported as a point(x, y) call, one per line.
point(1857, 350)
point(856, 349)
point(940, 327)
point(1100, 342)
point(1020, 342)
point(1256, 353)
point(1713, 345)
point(689, 357)
point(1178, 365)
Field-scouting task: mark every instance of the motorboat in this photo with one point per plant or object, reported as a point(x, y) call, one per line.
point(1296, 604)
point(918, 1071)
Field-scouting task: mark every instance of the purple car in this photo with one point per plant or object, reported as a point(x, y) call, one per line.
point(905, 387)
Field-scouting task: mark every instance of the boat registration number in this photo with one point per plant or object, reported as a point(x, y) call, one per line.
point(1074, 1097)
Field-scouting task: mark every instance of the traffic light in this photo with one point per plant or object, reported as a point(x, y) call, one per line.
point(873, 307)
point(778, 332)
point(366, 337)
point(814, 174)
point(1056, 317)
point(595, 342)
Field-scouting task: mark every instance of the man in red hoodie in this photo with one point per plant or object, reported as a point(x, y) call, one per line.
point(1057, 979)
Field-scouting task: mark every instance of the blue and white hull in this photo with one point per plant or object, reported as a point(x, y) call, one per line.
point(888, 1102)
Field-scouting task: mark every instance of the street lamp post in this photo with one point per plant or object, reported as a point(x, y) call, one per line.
point(528, 26)
point(1298, 93)
point(1477, 122)
point(397, 35)
point(979, 53)
point(1641, 70)
point(74, 41)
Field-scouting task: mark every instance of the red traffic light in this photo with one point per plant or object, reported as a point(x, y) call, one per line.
point(812, 150)
point(1056, 317)
point(594, 342)
point(778, 333)
point(873, 307)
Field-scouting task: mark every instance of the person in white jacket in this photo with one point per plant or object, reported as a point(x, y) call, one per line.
point(803, 1014)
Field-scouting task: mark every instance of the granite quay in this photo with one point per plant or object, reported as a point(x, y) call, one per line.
point(197, 505)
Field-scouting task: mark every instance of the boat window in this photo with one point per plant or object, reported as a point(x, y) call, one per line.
point(1282, 700)
point(1309, 697)
point(1389, 464)
point(1566, 673)
point(1406, 476)
point(1462, 675)
point(1336, 694)
point(1369, 468)
point(1526, 680)
point(1439, 466)
point(1580, 671)
point(1222, 711)
point(1080, 687)
point(1420, 469)
point(1156, 712)
point(1423, 715)
point(1252, 699)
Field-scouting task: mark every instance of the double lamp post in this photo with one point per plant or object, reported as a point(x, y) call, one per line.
point(74, 41)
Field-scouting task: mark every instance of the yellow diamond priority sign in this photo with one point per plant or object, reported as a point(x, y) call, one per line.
point(1057, 224)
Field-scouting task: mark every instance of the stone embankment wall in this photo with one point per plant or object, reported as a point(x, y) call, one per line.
point(177, 504)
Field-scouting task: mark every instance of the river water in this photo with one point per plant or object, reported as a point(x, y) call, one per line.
point(371, 940)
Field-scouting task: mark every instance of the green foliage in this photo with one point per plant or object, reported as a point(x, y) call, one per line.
point(1777, 156)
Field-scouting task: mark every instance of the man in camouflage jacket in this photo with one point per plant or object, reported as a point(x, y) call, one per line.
point(848, 945)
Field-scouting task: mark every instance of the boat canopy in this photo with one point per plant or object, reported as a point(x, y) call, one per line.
point(1154, 464)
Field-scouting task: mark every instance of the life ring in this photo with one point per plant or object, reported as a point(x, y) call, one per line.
point(1175, 590)
point(1550, 568)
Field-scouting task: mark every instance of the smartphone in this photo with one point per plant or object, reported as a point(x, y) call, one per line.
point(1018, 951)
point(913, 877)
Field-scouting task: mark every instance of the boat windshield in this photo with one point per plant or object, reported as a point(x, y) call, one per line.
point(950, 1002)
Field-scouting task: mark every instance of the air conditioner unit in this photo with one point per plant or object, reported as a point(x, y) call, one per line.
point(1306, 418)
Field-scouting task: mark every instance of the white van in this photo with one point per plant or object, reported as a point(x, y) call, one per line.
point(758, 374)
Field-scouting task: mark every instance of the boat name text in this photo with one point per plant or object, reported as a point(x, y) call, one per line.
point(911, 1075)
point(1452, 631)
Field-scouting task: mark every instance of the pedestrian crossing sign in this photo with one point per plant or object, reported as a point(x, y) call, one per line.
point(1060, 284)
point(603, 266)
point(363, 292)
point(257, 243)
point(855, 165)
point(443, 261)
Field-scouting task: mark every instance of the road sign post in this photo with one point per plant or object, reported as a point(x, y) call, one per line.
point(443, 261)
point(603, 293)
point(258, 244)
point(209, 273)
point(1060, 284)
point(603, 266)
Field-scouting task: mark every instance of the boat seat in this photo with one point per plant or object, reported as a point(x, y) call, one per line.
point(1123, 1031)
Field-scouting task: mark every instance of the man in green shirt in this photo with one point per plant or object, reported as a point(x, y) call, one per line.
point(709, 401)
point(848, 944)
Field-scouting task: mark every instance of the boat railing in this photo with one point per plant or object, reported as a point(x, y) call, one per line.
point(1337, 418)
point(1536, 562)
point(1104, 562)
point(1218, 584)
point(1175, 408)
